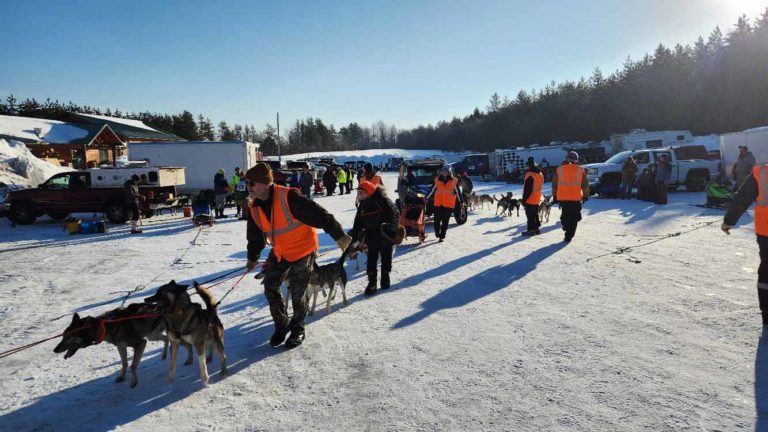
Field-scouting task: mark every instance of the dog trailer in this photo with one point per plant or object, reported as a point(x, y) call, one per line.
point(640, 139)
point(756, 140)
point(200, 158)
point(149, 176)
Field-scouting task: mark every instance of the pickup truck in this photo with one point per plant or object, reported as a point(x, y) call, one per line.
point(415, 181)
point(691, 173)
point(72, 192)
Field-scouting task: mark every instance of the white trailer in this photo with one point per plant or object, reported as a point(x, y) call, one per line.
point(640, 139)
point(506, 161)
point(200, 158)
point(110, 177)
point(755, 139)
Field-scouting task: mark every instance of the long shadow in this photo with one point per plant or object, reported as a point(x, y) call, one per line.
point(761, 383)
point(480, 285)
point(86, 406)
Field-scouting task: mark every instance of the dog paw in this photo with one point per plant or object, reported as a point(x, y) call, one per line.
point(224, 372)
point(119, 379)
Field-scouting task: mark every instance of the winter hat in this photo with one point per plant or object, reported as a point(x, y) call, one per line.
point(531, 162)
point(446, 167)
point(368, 167)
point(220, 171)
point(367, 186)
point(573, 156)
point(260, 173)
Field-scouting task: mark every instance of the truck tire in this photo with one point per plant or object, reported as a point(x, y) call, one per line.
point(696, 181)
point(460, 216)
point(58, 215)
point(116, 213)
point(22, 213)
point(610, 182)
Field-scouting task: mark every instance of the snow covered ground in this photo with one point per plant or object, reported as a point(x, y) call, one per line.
point(487, 331)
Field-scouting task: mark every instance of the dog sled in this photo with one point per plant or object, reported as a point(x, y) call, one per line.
point(318, 188)
point(202, 213)
point(718, 196)
point(412, 218)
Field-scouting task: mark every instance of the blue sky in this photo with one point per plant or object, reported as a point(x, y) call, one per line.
point(403, 62)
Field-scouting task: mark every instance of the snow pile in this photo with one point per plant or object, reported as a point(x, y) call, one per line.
point(34, 129)
point(377, 156)
point(18, 166)
point(128, 122)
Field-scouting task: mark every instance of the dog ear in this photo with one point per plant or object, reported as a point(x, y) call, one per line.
point(75, 318)
point(172, 282)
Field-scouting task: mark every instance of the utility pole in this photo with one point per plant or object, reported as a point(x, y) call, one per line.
point(279, 158)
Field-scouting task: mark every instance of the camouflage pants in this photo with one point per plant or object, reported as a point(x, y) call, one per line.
point(296, 274)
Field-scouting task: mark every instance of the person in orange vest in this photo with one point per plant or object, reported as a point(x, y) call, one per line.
point(534, 181)
point(570, 188)
point(285, 219)
point(446, 192)
point(754, 189)
point(370, 176)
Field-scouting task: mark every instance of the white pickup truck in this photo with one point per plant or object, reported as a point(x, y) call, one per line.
point(691, 173)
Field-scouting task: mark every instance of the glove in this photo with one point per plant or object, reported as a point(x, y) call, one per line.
point(726, 228)
point(250, 265)
point(585, 199)
point(344, 242)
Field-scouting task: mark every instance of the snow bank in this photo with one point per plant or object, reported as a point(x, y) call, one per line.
point(18, 166)
point(378, 156)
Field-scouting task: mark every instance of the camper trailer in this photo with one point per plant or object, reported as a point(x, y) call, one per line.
point(755, 139)
point(640, 139)
point(200, 158)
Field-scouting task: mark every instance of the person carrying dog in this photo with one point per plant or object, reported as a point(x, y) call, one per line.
point(534, 180)
point(570, 188)
point(754, 188)
point(282, 217)
point(446, 192)
point(132, 197)
point(378, 216)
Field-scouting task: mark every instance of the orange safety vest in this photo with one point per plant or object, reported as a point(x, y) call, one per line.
point(375, 179)
point(538, 181)
point(445, 193)
point(761, 205)
point(290, 239)
point(569, 179)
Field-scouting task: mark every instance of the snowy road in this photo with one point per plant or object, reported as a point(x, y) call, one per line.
point(487, 331)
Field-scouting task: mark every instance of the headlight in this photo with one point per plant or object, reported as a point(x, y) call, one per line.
point(592, 171)
point(419, 195)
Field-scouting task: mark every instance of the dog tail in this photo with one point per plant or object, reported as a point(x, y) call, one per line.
point(208, 299)
point(494, 197)
point(344, 255)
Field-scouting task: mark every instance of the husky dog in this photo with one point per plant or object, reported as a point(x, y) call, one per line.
point(473, 200)
point(545, 207)
point(506, 204)
point(326, 276)
point(189, 322)
point(482, 199)
point(87, 331)
point(357, 247)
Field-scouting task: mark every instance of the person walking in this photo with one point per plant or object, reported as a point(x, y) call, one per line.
point(532, 185)
point(329, 181)
point(570, 188)
point(379, 218)
point(446, 192)
point(743, 166)
point(132, 198)
point(282, 217)
point(341, 179)
point(220, 190)
point(306, 181)
point(663, 176)
point(754, 189)
point(371, 176)
point(628, 177)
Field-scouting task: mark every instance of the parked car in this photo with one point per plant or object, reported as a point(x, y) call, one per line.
point(693, 173)
point(75, 192)
point(415, 181)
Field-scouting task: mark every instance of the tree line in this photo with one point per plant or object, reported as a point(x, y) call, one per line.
point(715, 85)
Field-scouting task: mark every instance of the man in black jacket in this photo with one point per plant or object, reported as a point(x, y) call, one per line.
point(132, 196)
point(748, 193)
point(296, 213)
point(378, 216)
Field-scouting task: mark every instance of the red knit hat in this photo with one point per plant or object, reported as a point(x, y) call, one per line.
point(367, 186)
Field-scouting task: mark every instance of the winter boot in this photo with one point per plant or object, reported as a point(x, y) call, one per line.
point(135, 228)
point(384, 280)
point(279, 336)
point(295, 339)
point(371, 288)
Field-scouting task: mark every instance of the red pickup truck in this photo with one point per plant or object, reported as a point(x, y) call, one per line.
point(71, 192)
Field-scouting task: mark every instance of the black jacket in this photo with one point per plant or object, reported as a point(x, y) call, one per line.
point(303, 209)
point(744, 198)
point(131, 192)
point(306, 180)
point(528, 185)
point(373, 211)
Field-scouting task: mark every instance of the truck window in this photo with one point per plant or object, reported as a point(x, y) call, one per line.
point(58, 182)
point(78, 181)
point(653, 143)
point(642, 158)
point(657, 154)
